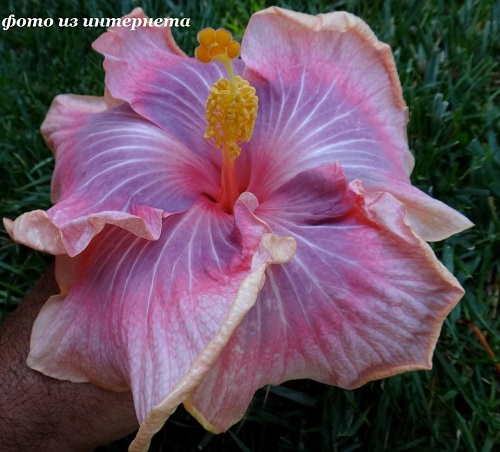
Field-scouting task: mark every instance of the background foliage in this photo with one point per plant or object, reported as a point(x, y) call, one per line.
point(448, 56)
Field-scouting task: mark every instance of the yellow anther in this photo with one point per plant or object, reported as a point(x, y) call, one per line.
point(231, 118)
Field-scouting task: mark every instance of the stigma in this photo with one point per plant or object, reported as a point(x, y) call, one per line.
point(231, 108)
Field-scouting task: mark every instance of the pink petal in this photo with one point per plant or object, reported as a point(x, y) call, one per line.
point(329, 91)
point(112, 166)
point(162, 86)
point(363, 298)
point(153, 316)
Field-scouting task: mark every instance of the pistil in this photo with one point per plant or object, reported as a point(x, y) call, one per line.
point(231, 109)
point(229, 182)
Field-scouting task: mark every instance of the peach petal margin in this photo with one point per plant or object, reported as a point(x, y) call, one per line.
point(378, 208)
point(36, 230)
point(342, 22)
point(430, 218)
point(281, 250)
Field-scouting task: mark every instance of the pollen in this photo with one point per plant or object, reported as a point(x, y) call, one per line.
point(231, 117)
point(232, 103)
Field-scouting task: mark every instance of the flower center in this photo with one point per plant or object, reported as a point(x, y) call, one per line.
point(231, 108)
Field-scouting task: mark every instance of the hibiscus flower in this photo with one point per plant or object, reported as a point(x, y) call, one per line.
point(199, 263)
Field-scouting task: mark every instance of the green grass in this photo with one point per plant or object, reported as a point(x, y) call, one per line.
point(448, 58)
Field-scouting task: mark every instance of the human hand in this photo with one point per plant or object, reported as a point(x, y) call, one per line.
point(41, 413)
